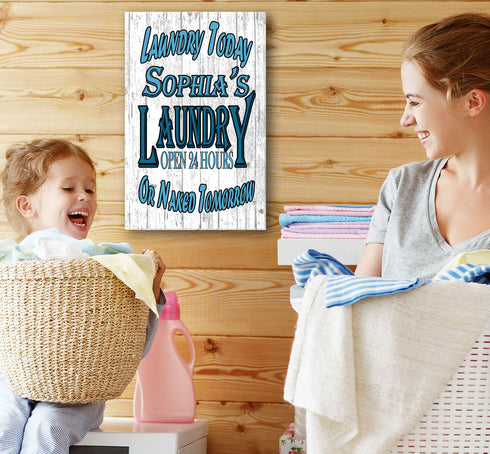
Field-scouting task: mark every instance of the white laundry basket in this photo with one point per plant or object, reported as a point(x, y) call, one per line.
point(459, 420)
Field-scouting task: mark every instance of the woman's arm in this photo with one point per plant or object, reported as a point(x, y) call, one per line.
point(370, 261)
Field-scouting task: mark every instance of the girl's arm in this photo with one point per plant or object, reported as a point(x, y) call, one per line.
point(159, 274)
point(370, 261)
point(152, 326)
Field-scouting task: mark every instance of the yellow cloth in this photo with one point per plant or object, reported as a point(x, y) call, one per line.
point(481, 257)
point(137, 271)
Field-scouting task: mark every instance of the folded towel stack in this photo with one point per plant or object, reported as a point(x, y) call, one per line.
point(326, 221)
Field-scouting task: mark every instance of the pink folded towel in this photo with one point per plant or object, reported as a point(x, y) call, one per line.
point(322, 235)
point(346, 231)
point(362, 210)
point(306, 226)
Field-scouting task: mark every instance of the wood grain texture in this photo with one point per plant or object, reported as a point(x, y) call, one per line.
point(245, 427)
point(300, 34)
point(62, 101)
point(234, 302)
point(336, 170)
point(342, 169)
point(242, 376)
point(325, 102)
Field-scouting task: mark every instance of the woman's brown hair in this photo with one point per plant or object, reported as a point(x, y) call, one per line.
point(453, 54)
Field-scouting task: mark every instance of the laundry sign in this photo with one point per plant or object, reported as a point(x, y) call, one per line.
point(195, 130)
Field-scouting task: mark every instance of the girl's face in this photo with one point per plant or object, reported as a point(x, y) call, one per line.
point(437, 122)
point(66, 200)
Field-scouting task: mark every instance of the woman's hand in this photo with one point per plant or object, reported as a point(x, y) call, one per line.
point(160, 270)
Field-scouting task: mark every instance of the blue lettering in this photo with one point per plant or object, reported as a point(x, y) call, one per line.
point(241, 128)
point(145, 162)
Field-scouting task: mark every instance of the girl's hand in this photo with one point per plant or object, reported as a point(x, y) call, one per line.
point(160, 270)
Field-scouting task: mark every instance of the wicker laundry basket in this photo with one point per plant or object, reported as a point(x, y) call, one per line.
point(70, 330)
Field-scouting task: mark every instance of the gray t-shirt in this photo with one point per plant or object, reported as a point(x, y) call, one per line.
point(405, 222)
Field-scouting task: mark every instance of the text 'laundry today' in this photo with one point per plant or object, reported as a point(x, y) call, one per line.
point(190, 42)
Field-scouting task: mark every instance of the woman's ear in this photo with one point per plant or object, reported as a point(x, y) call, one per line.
point(24, 205)
point(476, 101)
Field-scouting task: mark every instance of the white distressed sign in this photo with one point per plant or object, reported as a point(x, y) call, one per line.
point(195, 132)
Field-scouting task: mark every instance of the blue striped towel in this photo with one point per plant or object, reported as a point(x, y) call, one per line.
point(287, 219)
point(344, 287)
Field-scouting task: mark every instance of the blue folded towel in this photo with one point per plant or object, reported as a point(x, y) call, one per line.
point(287, 219)
point(312, 263)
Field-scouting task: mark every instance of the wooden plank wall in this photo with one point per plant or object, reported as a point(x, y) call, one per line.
point(334, 102)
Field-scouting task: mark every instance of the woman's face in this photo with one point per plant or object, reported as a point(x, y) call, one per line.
point(437, 122)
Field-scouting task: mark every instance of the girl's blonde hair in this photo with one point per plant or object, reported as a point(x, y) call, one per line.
point(453, 54)
point(26, 170)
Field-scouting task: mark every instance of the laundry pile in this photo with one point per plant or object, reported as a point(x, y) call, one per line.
point(326, 221)
point(135, 270)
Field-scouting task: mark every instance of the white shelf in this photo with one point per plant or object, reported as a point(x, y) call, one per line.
point(145, 438)
point(347, 251)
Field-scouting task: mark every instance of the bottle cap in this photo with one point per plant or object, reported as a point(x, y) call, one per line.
point(171, 310)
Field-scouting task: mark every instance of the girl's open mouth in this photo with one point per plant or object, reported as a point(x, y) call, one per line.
point(78, 218)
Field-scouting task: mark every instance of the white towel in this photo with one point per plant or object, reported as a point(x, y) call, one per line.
point(368, 372)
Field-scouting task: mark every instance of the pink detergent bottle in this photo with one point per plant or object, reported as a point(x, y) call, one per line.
point(164, 389)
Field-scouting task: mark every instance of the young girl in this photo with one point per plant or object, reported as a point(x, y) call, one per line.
point(51, 184)
point(429, 212)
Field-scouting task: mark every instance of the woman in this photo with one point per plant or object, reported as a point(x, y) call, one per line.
point(431, 211)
